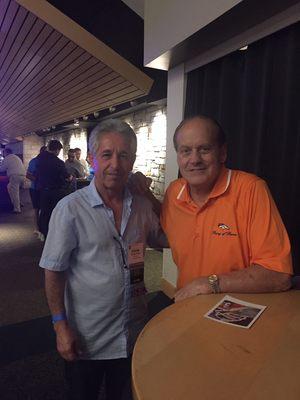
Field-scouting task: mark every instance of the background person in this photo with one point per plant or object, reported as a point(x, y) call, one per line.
point(31, 174)
point(74, 167)
point(53, 182)
point(82, 161)
point(93, 260)
point(15, 171)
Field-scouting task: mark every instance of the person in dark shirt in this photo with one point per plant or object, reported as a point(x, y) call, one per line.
point(34, 192)
point(52, 181)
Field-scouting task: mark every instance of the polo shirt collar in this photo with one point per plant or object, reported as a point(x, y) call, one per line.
point(96, 200)
point(222, 183)
point(220, 187)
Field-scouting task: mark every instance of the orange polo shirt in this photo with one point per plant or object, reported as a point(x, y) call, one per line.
point(239, 225)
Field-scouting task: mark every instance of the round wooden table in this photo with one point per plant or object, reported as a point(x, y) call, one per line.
point(180, 355)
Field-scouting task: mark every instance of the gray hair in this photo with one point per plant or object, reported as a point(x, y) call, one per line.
point(112, 125)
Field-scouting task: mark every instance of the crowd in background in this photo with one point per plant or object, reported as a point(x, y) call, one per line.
point(50, 180)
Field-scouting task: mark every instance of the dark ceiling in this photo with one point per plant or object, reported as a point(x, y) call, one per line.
point(119, 27)
point(63, 59)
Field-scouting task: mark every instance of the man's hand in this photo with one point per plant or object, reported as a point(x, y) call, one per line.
point(197, 286)
point(139, 183)
point(66, 341)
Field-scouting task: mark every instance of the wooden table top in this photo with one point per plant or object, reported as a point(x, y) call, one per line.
point(180, 355)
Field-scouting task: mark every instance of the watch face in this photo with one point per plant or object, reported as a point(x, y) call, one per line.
point(213, 278)
point(214, 282)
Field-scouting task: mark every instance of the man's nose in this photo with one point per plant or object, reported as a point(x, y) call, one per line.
point(195, 157)
point(114, 161)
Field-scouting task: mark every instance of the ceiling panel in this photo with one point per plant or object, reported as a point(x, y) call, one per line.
point(52, 70)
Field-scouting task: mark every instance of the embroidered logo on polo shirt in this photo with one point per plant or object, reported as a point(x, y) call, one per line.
point(223, 226)
point(223, 230)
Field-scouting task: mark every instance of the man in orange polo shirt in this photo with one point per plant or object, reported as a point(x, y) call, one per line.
point(224, 230)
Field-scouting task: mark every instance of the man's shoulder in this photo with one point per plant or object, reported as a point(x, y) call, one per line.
point(33, 162)
point(176, 186)
point(77, 197)
point(244, 184)
point(245, 179)
point(45, 157)
point(12, 157)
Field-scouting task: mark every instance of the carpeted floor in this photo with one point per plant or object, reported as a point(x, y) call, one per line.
point(30, 368)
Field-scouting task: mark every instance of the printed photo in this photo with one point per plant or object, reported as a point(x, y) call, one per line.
point(235, 312)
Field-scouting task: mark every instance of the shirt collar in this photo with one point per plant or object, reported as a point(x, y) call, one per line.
point(220, 187)
point(96, 200)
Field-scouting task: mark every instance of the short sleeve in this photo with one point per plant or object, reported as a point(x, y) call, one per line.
point(61, 239)
point(267, 236)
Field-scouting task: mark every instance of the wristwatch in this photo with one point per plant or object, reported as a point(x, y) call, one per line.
point(213, 280)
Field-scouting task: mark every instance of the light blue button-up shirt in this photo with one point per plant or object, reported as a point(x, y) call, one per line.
point(84, 242)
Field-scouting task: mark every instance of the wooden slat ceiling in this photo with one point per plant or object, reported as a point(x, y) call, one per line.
point(52, 70)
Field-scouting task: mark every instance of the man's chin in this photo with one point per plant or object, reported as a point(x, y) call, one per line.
point(197, 180)
point(115, 184)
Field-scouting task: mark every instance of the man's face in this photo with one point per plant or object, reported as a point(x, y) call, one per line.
point(199, 155)
point(71, 156)
point(78, 154)
point(113, 162)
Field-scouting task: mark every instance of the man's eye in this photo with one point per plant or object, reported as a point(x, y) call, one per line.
point(106, 155)
point(124, 156)
point(205, 150)
point(185, 151)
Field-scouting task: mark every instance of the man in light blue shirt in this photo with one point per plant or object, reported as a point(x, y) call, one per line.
point(93, 260)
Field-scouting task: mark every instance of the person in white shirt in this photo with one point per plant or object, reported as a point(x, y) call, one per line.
point(82, 161)
point(15, 171)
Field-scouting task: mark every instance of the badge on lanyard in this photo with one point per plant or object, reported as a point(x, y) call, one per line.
point(136, 262)
point(136, 268)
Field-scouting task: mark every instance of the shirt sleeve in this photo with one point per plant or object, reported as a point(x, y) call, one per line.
point(267, 236)
point(31, 167)
point(61, 239)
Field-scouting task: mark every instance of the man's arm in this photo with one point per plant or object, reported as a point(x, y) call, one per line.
point(156, 204)
point(30, 176)
point(66, 340)
point(140, 184)
point(254, 279)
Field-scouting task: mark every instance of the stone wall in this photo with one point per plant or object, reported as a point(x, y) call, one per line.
point(71, 139)
point(150, 127)
point(31, 148)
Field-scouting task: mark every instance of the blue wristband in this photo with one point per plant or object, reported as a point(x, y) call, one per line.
point(58, 317)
